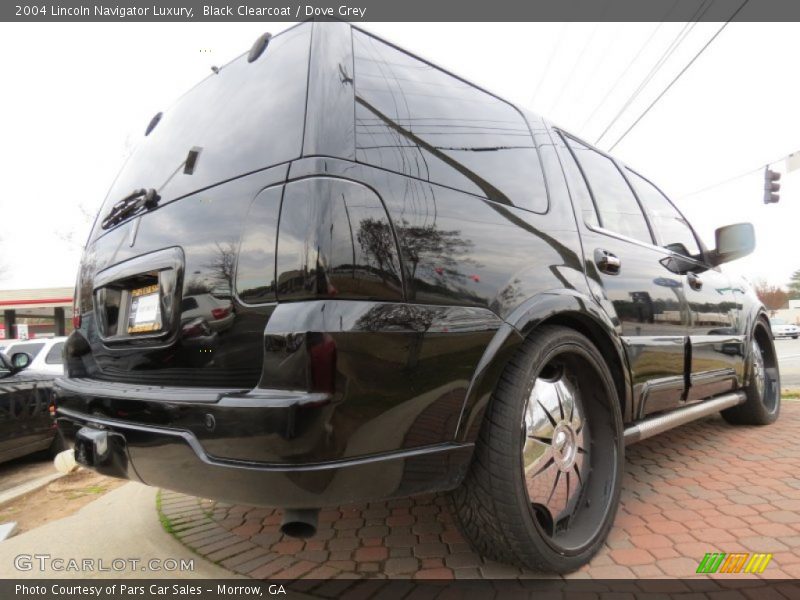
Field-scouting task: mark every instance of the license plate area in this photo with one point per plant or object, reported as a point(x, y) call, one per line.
point(138, 300)
point(144, 312)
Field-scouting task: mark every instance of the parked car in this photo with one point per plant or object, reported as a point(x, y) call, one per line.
point(4, 343)
point(27, 422)
point(782, 328)
point(46, 353)
point(431, 290)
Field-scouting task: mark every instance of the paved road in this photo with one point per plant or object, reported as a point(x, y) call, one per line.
point(25, 470)
point(704, 487)
point(789, 361)
point(122, 524)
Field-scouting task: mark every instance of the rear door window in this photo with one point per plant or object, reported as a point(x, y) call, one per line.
point(618, 209)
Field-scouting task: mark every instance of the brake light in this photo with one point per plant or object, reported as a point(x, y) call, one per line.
point(220, 313)
point(76, 316)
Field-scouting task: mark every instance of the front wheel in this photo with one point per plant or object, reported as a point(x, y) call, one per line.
point(763, 404)
point(544, 484)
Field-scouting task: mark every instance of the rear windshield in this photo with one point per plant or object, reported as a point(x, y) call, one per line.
point(246, 117)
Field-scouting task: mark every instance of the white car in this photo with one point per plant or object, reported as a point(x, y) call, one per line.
point(44, 352)
point(782, 328)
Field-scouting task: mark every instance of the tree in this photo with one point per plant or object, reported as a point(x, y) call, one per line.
point(794, 285)
point(773, 296)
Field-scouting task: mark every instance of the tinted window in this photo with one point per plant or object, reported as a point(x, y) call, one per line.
point(618, 208)
point(415, 119)
point(244, 118)
point(579, 191)
point(54, 355)
point(671, 228)
point(32, 348)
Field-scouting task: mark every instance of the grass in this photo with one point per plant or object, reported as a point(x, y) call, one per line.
point(166, 523)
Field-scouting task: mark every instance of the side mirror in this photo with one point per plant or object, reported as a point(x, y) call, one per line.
point(20, 360)
point(733, 241)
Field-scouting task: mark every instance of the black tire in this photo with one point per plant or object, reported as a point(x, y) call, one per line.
point(494, 506)
point(763, 404)
point(794, 337)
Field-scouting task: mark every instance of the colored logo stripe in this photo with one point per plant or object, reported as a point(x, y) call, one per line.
point(720, 562)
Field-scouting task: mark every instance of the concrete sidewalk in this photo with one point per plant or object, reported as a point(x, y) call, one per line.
point(122, 524)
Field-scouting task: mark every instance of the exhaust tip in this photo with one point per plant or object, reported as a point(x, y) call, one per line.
point(300, 523)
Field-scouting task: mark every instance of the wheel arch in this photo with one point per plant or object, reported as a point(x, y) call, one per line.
point(559, 307)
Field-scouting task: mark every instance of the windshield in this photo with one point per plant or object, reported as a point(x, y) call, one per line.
point(243, 118)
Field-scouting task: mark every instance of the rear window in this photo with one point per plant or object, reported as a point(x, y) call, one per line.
point(415, 119)
point(32, 349)
point(246, 117)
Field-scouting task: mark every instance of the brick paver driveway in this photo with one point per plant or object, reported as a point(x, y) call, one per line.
point(705, 487)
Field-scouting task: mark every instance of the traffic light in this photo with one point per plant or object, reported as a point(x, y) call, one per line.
point(771, 186)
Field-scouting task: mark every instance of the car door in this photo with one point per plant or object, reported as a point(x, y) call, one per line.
point(716, 344)
point(629, 276)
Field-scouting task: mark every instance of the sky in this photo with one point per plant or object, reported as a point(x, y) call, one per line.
point(77, 98)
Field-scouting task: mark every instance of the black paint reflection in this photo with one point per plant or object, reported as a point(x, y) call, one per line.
point(415, 119)
point(335, 240)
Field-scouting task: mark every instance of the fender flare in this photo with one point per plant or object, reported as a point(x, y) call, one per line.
point(562, 306)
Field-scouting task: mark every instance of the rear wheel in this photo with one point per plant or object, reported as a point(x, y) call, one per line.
point(544, 484)
point(763, 404)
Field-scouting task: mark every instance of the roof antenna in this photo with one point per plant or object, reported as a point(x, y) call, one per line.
point(215, 69)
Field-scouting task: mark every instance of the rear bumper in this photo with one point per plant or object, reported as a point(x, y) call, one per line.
point(176, 459)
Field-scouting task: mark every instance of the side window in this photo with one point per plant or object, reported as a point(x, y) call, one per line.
point(54, 355)
point(415, 119)
point(579, 190)
point(617, 206)
point(671, 228)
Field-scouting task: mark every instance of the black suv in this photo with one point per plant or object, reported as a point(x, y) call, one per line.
point(333, 272)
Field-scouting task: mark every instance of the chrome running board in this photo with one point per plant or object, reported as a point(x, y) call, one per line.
point(659, 423)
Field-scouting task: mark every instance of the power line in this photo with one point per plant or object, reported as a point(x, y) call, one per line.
point(549, 63)
point(665, 56)
point(734, 178)
point(673, 46)
point(568, 79)
point(622, 75)
point(625, 71)
point(678, 76)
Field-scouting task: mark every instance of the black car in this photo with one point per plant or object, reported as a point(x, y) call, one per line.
point(27, 423)
point(417, 287)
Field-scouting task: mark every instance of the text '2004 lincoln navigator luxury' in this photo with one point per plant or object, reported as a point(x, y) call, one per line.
point(333, 272)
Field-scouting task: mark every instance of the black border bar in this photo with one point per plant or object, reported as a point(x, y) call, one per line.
point(399, 10)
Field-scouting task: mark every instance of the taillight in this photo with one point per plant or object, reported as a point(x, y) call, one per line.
point(220, 313)
point(76, 316)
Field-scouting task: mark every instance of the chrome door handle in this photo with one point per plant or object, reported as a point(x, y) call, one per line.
point(607, 262)
point(694, 281)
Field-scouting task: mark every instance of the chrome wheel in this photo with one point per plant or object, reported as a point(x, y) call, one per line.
point(555, 454)
point(759, 374)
